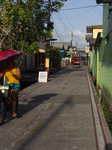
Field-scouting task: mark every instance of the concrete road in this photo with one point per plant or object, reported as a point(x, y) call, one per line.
point(56, 115)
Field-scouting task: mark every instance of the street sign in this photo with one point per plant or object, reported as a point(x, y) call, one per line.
point(43, 75)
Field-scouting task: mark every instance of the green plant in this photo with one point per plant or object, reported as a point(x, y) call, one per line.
point(106, 108)
point(55, 57)
point(107, 113)
point(97, 90)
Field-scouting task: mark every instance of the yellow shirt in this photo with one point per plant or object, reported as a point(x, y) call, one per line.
point(9, 77)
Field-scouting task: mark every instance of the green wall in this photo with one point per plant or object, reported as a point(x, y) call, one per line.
point(104, 59)
point(93, 62)
point(105, 80)
point(104, 56)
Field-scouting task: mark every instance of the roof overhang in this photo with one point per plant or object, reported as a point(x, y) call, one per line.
point(41, 50)
point(50, 39)
point(103, 1)
point(91, 27)
point(98, 40)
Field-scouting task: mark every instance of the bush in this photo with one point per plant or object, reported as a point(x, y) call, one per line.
point(55, 58)
point(105, 107)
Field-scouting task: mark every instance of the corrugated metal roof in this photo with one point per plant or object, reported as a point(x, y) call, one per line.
point(59, 45)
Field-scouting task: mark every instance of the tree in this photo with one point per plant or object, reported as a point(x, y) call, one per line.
point(19, 25)
point(4, 21)
point(55, 57)
point(22, 20)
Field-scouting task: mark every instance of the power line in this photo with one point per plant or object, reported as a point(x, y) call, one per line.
point(80, 38)
point(62, 22)
point(70, 23)
point(69, 29)
point(79, 14)
point(57, 29)
point(82, 7)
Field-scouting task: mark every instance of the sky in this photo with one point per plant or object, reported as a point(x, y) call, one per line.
point(74, 17)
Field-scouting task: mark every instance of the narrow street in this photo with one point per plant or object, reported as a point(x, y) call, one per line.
point(61, 114)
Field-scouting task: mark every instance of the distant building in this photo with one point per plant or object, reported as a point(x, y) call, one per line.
point(36, 60)
point(92, 32)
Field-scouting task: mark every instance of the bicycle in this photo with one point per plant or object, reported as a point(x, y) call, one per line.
point(5, 102)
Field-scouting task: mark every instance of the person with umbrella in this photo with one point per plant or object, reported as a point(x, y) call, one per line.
point(13, 76)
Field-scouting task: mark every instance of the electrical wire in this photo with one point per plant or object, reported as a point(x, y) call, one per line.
point(62, 22)
point(93, 6)
point(81, 7)
point(70, 30)
point(71, 24)
point(79, 14)
point(56, 30)
point(77, 38)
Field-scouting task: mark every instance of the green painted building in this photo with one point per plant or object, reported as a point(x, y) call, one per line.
point(92, 31)
point(103, 47)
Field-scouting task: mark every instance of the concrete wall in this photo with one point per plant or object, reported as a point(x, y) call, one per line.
point(65, 61)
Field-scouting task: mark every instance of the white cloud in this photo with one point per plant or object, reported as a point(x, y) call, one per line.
point(79, 34)
point(78, 37)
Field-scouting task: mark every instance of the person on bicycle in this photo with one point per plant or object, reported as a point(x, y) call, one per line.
point(13, 76)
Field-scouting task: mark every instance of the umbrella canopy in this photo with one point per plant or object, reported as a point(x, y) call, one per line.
point(8, 53)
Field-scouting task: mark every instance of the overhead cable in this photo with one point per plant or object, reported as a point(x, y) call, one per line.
point(71, 24)
point(81, 7)
point(56, 30)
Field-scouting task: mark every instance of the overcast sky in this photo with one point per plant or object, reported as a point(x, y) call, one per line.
point(73, 18)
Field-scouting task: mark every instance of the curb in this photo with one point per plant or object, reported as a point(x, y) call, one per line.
point(103, 120)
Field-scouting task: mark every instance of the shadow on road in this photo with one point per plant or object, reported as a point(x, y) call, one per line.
point(31, 138)
point(26, 106)
point(108, 146)
point(35, 101)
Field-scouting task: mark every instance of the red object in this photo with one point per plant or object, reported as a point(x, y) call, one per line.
point(76, 60)
point(47, 69)
point(8, 53)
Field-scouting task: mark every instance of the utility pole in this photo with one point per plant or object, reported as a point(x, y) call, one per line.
point(47, 41)
point(71, 49)
point(71, 38)
point(76, 48)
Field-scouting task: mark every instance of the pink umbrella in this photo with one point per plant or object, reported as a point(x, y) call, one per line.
point(8, 53)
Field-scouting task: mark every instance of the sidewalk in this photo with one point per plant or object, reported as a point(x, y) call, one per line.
point(75, 114)
point(31, 76)
point(62, 114)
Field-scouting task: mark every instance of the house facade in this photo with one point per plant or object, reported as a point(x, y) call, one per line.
point(103, 47)
point(92, 31)
point(36, 60)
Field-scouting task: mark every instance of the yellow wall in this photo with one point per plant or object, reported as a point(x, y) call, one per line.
point(95, 32)
point(47, 63)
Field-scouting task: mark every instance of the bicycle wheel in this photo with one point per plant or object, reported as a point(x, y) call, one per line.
point(2, 113)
